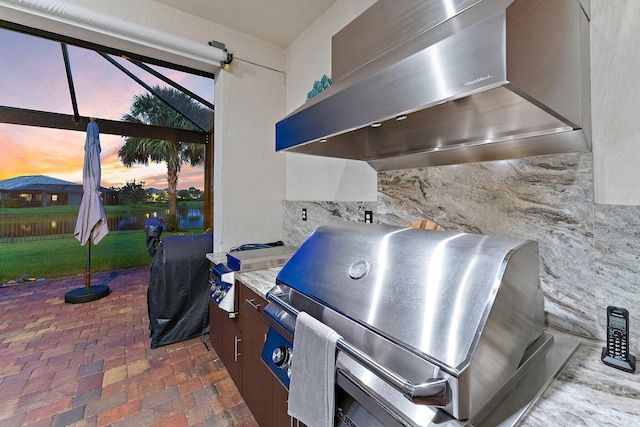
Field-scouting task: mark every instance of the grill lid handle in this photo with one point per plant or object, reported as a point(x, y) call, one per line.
point(432, 392)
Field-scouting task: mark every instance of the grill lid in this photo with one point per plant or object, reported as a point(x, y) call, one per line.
point(430, 292)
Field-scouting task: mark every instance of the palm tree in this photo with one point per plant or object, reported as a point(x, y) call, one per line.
point(150, 110)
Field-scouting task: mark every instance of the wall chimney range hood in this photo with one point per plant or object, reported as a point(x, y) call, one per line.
point(451, 81)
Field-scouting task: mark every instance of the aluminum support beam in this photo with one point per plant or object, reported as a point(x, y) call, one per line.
point(155, 93)
point(172, 83)
point(20, 116)
point(72, 90)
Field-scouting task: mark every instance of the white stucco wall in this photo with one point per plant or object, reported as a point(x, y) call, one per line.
point(248, 173)
point(307, 59)
point(615, 97)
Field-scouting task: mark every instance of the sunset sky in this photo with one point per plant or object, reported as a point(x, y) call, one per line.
point(32, 76)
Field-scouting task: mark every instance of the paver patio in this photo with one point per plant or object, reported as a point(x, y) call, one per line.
point(91, 364)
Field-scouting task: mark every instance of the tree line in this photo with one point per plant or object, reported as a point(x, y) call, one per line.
point(133, 193)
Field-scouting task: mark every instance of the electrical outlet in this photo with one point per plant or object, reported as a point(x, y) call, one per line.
point(368, 217)
point(304, 214)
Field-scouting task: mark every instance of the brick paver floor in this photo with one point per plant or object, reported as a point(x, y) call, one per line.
point(91, 364)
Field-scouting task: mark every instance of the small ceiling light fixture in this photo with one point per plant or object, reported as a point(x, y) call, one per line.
point(401, 117)
point(323, 140)
point(376, 125)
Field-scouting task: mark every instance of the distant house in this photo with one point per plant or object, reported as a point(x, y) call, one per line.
point(154, 194)
point(40, 190)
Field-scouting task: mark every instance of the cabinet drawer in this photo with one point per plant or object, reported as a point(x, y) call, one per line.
point(252, 302)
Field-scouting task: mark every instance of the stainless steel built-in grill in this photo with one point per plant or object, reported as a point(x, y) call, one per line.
point(437, 327)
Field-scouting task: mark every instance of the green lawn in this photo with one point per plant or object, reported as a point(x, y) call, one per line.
point(65, 257)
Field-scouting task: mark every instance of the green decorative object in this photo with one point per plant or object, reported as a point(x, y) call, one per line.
point(319, 86)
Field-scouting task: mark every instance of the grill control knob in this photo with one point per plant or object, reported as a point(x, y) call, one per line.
point(281, 356)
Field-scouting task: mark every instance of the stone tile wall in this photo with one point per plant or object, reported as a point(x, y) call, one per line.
point(588, 253)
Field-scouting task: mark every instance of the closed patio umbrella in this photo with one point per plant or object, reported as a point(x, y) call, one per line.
point(91, 218)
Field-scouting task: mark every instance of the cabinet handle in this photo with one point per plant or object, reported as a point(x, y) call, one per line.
point(252, 303)
point(236, 353)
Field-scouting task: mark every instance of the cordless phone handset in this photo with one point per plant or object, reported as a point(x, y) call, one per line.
point(616, 353)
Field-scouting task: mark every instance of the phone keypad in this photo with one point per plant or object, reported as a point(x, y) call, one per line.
point(617, 345)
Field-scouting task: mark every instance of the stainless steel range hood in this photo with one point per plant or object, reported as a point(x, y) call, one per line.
point(450, 82)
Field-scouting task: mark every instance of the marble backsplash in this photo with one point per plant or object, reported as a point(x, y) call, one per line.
point(588, 253)
point(295, 230)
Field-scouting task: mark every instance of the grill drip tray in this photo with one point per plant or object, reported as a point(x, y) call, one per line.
point(541, 364)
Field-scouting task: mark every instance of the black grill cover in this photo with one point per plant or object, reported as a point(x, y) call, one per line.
point(178, 295)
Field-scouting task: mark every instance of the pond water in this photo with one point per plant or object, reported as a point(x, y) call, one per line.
point(187, 217)
point(41, 225)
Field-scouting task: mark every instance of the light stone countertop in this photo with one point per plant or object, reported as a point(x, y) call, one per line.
point(259, 281)
point(589, 393)
point(217, 257)
point(585, 393)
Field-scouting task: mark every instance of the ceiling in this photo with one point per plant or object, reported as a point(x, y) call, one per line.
point(279, 22)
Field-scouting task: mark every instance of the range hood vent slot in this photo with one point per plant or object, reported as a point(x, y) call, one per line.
point(472, 80)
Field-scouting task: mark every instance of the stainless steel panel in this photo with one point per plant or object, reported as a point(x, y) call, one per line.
point(432, 391)
point(520, 395)
point(368, 37)
point(551, 78)
point(515, 321)
point(537, 51)
point(356, 406)
point(385, 352)
point(410, 413)
point(564, 142)
point(429, 291)
point(491, 116)
point(409, 80)
point(508, 148)
point(507, 408)
point(421, 304)
point(261, 258)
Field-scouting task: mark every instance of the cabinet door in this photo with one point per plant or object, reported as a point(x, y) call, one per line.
point(232, 350)
point(256, 378)
point(280, 405)
point(215, 328)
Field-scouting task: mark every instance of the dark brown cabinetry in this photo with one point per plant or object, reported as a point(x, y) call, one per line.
point(231, 354)
point(256, 377)
point(280, 403)
point(239, 343)
point(215, 329)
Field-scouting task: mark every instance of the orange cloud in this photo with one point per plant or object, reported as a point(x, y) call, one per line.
point(60, 154)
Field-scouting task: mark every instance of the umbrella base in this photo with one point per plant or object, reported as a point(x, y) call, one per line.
point(81, 295)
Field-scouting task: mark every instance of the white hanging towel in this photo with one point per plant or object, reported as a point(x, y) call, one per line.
point(312, 383)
